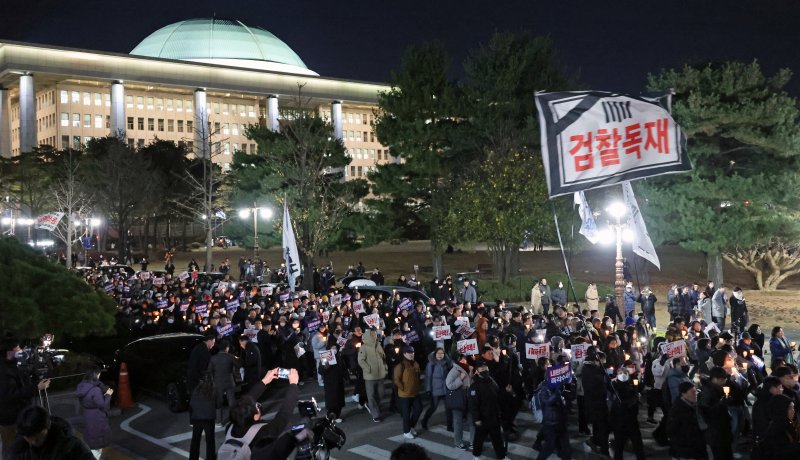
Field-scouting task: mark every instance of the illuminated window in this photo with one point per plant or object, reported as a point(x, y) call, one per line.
point(98, 99)
point(235, 129)
point(98, 121)
point(76, 97)
point(64, 96)
point(179, 105)
point(129, 102)
point(224, 109)
point(169, 105)
point(64, 119)
point(87, 99)
point(150, 104)
point(160, 103)
point(140, 102)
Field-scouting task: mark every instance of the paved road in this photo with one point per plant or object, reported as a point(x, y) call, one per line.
point(150, 431)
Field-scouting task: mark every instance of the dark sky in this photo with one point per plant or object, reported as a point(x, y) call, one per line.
point(612, 44)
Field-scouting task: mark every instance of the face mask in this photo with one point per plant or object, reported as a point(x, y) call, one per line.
point(170, 321)
point(622, 377)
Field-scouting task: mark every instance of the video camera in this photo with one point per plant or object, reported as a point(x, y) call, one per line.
point(326, 435)
point(38, 361)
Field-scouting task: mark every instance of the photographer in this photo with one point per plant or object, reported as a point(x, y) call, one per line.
point(16, 391)
point(266, 439)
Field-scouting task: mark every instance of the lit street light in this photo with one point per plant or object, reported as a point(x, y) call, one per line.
point(618, 210)
point(266, 214)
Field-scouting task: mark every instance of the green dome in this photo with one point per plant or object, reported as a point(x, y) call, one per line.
point(221, 41)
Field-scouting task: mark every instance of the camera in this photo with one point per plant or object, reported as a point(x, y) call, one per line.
point(326, 435)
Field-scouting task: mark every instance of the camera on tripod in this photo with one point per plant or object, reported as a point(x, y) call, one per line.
point(326, 435)
point(38, 361)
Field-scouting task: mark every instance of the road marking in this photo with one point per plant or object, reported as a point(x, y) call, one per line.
point(513, 448)
point(372, 452)
point(126, 426)
point(188, 435)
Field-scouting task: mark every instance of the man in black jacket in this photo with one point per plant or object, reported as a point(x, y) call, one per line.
point(714, 414)
point(42, 436)
point(484, 406)
point(686, 438)
point(595, 392)
point(769, 388)
point(198, 361)
point(16, 391)
point(251, 362)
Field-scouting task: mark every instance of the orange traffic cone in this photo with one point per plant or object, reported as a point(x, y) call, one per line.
point(124, 398)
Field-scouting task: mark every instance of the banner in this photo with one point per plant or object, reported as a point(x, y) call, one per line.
point(290, 256)
point(183, 276)
point(161, 304)
point(537, 350)
point(284, 297)
point(595, 139)
point(642, 245)
point(266, 291)
point(49, 221)
point(225, 330)
point(328, 355)
point(232, 304)
point(588, 225)
point(410, 337)
point(358, 306)
point(441, 333)
point(184, 306)
point(373, 321)
point(674, 349)
point(467, 347)
point(580, 351)
point(405, 304)
point(558, 375)
point(201, 308)
point(313, 326)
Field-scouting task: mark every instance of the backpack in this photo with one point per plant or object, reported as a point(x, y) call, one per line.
point(536, 407)
point(238, 448)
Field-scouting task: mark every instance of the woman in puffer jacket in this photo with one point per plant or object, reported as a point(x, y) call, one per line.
point(95, 399)
point(435, 382)
point(458, 382)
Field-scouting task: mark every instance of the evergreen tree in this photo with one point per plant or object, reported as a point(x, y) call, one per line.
point(744, 143)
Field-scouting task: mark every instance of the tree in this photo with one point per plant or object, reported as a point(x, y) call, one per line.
point(419, 120)
point(69, 194)
point(769, 263)
point(26, 181)
point(744, 143)
point(124, 184)
point(303, 164)
point(38, 297)
point(504, 197)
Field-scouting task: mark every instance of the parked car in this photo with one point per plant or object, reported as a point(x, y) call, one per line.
point(157, 365)
point(389, 291)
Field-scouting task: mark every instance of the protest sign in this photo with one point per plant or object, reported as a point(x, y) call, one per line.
point(144, 275)
point(184, 306)
point(405, 304)
point(579, 351)
point(467, 347)
point(358, 306)
point(337, 299)
point(373, 320)
point(49, 221)
point(463, 319)
point(108, 287)
point(345, 297)
point(674, 349)
point(285, 296)
point(266, 291)
point(326, 315)
point(465, 330)
point(442, 333)
point(303, 294)
point(558, 375)
point(201, 308)
point(158, 281)
point(299, 350)
point(251, 333)
point(711, 327)
point(313, 325)
point(225, 330)
point(222, 286)
point(410, 337)
point(161, 304)
point(232, 304)
point(195, 275)
point(328, 355)
point(342, 340)
point(183, 276)
point(537, 350)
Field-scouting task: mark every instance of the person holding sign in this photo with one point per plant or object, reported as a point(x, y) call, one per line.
point(596, 393)
point(333, 378)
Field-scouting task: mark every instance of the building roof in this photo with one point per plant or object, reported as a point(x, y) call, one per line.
point(222, 41)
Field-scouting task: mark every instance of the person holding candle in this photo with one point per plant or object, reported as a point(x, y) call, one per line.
point(686, 437)
point(714, 416)
point(780, 347)
point(623, 415)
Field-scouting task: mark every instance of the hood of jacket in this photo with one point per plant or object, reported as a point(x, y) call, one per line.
point(370, 338)
point(86, 386)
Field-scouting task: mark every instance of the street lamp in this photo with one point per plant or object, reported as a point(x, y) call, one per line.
point(617, 210)
point(266, 214)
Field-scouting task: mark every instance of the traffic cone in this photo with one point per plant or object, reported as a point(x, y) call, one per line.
point(124, 398)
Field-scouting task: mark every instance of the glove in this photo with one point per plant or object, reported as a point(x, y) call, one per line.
point(663, 359)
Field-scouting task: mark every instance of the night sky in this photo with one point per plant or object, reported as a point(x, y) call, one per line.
point(611, 44)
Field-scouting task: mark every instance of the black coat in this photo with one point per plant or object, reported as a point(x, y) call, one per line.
point(711, 405)
point(595, 391)
point(16, 391)
point(760, 414)
point(198, 363)
point(60, 443)
point(251, 362)
point(333, 378)
point(686, 439)
point(484, 403)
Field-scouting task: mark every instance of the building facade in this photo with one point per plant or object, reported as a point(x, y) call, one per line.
point(199, 83)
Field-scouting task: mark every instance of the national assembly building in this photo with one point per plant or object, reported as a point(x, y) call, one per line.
point(215, 72)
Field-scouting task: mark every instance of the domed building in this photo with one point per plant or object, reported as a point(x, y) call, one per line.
point(196, 82)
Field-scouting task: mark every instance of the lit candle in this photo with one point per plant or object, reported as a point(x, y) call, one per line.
point(744, 366)
point(627, 356)
point(635, 382)
point(594, 342)
point(726, 390)
point(397, 349)
point(744, 353)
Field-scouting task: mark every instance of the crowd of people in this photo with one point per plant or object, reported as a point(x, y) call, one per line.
point(716, 380)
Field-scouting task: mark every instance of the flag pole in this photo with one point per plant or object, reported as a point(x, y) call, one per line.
point(563, 254)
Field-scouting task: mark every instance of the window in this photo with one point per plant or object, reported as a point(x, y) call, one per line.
point(188, 105)
point(98, 121)
point(108, 121)
point(235, 147)
point(364, 117)
point(250, 112)
point(360, 173)
point(171, 126)
point(150, 103)
point(76, 120)
point(140, 123)
point(253, 148)
point(358, 136)
point(371, 154)
point(226, 129)
point(98, 99)
point(358, 154)
point(226, 148)
point(180, 126)
point(242, 111)
point(65, 99)
point(107, 99)
point(235, 129)
point(179, 105)
point(352, 135)
point(140, 143)
point(87, 120)
point(349, 117)
point(64, 142)
point(352, 171)
point(140, 102)
point(161, 124)
point(216, 107)
point(76, 97)
point(130, 142)
point(189, 126)
point(129, 102)
point(76, 142)
point(87, 99)
point(64, 119)
point(169, 105)
point(217, 126)
point(357, 119)
point(151, 124)
point(190, 146)
point(86, 140)
point(130, 124)
point(224, 109)
point(160, 103)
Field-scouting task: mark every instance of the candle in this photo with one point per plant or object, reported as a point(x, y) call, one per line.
point(627, 356)
point(635, 382)
point(594, 342)
point(744, 353)
point(744, 366)
point(726, 390)
point(397, 349)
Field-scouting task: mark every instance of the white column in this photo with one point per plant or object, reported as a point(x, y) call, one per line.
point(202, 135)
point(27, 114)
point(118, 123)
point(272, 114)
point(336, 115)
point(5, 125)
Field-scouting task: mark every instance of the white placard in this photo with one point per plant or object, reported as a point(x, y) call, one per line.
point(468, 347)
point(537, 350)
point(442, 333)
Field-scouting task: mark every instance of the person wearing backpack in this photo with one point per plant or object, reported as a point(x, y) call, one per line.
point(250, 437)
point(202, 410)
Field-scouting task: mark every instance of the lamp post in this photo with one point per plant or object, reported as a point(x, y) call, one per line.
point(617, 210)
point(266, 213)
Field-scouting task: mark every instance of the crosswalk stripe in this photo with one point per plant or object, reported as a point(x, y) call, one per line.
point(372, 452)
point(430, 446)
point(513, 448)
